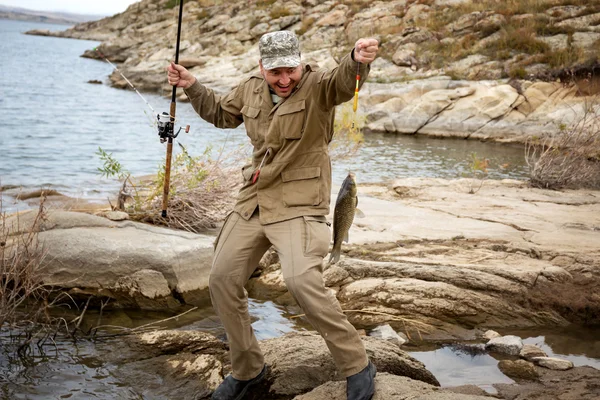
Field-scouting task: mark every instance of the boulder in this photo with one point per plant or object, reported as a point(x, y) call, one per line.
point(553, 363)
point(518, 370)
point(509, 344)
point(134, 264)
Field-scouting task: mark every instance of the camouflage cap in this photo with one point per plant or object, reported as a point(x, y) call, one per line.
point(279, 49)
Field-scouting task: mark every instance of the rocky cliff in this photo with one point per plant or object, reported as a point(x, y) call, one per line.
point(482, 69)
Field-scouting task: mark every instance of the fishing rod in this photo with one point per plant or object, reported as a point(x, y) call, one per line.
point(165, 122)
point(167, 132)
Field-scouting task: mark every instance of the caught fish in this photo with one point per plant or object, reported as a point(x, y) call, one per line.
point(343, 215)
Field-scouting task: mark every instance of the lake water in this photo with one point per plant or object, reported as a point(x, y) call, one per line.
point(54, 121)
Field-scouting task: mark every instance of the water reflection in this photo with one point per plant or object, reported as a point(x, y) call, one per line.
point(453, 367)
point(578, 344)
point(385, 156)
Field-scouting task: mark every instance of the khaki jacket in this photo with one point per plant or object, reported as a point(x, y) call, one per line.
point(290, 138)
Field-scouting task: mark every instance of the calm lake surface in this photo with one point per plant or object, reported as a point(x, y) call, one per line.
point(53, 123)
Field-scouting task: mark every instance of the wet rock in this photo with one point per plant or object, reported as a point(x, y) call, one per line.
point(556, 364)
point(195, 362)
point(518, 370)
point(509, 344)
point(529, 351)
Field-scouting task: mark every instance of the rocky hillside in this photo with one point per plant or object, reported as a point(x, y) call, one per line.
point(448, 41)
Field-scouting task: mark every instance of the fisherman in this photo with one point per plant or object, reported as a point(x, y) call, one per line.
point(288, 112)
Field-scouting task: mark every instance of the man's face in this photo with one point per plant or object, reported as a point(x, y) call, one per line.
point(282, 80)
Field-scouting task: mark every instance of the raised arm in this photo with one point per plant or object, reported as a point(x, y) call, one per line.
point(222, 112)
point(337, 86)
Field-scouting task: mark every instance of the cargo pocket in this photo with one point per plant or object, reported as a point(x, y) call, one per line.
point(301, 187)
point(316, 236)
point(291, 119)
point(251, 121)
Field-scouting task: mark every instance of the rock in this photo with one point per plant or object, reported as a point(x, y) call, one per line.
point(556, 42)
point(529, 351)
point(136, 265)
point(506, 344)
point(301, 361)
point(553, 363)
point(389, 387)
point(335, 276)
point(386, 332)
point(489, 335)
point(334, 18)
point(405, 55)
point(116, 215)
point(519, 369)
point(196, 362)
point(191, 62)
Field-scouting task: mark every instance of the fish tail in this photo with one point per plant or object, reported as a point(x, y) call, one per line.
point(335, 254)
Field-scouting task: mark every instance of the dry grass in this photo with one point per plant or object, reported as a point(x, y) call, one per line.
point(202, 191)
point(21, 255)
point(571, 159)
point(347, 137)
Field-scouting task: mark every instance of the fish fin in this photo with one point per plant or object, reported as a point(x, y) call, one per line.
point(347, 237)
point(358, 213)
point(335, 256)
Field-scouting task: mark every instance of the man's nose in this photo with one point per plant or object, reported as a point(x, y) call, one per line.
point(284, 78)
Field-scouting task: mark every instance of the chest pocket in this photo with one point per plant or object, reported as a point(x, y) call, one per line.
point(251, 120)
point(291, 119)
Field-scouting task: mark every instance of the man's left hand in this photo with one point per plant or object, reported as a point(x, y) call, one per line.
point(365, 50)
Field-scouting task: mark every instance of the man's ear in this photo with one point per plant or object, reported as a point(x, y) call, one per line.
point(262, 70)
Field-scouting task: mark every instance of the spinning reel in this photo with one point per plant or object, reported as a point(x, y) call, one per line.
point(166, 127)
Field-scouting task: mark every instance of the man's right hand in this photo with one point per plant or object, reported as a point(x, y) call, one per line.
point(179, 76)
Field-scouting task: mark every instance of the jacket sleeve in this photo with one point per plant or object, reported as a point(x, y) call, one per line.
point(222, 112)
point(337, 85)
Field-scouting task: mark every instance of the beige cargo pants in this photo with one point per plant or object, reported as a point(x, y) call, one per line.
point(301, 244)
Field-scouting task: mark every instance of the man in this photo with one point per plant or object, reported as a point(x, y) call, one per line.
point(288, 111)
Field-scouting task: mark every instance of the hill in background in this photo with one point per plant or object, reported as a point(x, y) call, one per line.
point(51, 17)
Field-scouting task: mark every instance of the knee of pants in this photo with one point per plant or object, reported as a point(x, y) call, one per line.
point(308, 289)
point(223, 287)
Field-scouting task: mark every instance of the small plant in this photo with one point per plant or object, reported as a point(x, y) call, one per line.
point(203, 14)
point(110, 166)
point(278, 12)
point(171, 4)
point(478, 172)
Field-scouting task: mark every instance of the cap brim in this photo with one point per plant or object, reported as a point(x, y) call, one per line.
point(281, 62)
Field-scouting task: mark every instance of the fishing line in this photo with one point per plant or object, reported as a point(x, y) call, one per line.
point(124, 77)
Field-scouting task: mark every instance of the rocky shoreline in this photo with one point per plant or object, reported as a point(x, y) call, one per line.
point(429, 259)
point(433, 77)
